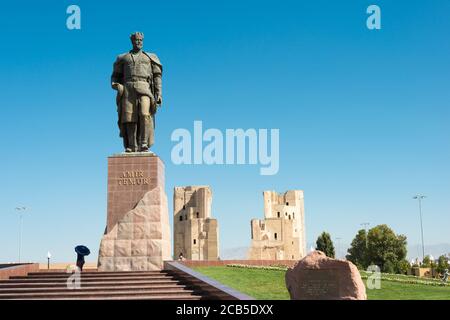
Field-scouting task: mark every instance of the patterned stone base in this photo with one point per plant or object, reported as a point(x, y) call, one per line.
point(137, 237)
point(140, 241)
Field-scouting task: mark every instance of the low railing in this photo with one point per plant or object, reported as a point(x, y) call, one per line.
point(14, 270)
point(214, 290)
point(217, 263)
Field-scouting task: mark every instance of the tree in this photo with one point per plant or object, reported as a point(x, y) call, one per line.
point(402, 267)
point(357, 253)
point(442, 264)
point(385, 248)
point(325, 244)
point(388, 267)
point(426, 262)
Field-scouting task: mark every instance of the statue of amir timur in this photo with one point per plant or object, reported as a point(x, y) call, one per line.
point(137, 79)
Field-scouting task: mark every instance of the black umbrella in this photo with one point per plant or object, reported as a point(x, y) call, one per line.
point(82, 250)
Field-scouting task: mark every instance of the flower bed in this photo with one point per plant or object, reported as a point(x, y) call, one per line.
point(246, 266)
point(401, 278)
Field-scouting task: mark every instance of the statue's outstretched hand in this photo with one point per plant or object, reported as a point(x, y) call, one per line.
point(159, 100)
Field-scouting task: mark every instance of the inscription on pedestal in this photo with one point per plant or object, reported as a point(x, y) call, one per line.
point(129, 178)
point(319, 284)
point(318, 277)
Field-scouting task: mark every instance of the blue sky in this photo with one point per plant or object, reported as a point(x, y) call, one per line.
point(363, 115)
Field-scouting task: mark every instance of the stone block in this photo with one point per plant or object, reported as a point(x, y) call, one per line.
point(141, 230)
point(122, 248)
point(139, 264)
point(139, 247)
point(154, 248)
point(317, 277)
point(106, 263)
point(107, 248)
point(155, 263)
point(155, 230)
point(153, 213)
point(125, 231)
point(122, 264)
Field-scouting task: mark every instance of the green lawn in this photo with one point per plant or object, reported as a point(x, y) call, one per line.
point(269, 284)
point(401, 291)
point(260, 284)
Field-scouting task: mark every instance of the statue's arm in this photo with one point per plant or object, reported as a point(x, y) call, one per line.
point(157, 82)
point(117, 74)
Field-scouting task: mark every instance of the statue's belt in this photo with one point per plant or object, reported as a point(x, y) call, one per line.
point(137, 80)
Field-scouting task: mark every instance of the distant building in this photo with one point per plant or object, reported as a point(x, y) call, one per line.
point(281, 235)
point(196, 234)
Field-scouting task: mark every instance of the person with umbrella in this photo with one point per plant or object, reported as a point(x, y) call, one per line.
point(81, 252)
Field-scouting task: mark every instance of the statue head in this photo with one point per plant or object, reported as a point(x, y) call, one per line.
point(137, 39)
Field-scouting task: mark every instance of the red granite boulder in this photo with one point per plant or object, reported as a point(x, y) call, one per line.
point(318, 277)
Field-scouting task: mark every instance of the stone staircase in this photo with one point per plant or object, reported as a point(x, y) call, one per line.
point(152, 285)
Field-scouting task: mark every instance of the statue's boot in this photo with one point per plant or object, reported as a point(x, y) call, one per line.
point(131, 134)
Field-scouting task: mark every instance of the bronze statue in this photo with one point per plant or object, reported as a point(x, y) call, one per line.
point(137, 79)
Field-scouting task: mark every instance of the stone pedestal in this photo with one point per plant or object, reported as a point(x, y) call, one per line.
point(137, 235)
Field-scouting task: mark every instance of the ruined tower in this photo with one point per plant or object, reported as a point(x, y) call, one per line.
point(196, 234)
point(281, 235)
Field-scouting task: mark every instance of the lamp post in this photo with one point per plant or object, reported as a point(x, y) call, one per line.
point(419, 198)
point(365, 225)
point(338, 247)
point(431, 264)
point(48, 259)
point(20, 211)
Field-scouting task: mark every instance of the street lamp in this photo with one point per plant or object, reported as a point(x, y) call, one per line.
point(419, 197)
point(48, 259)
point(431, 264)
point(365, 225)
point(20, 211)
point(338, 247)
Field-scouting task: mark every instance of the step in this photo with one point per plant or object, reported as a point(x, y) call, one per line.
point(125, 297)
point(66, 275)
point(87, 279)
point(89, 284)
point(88, 273)
point(99, 294)
point(48, 289)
